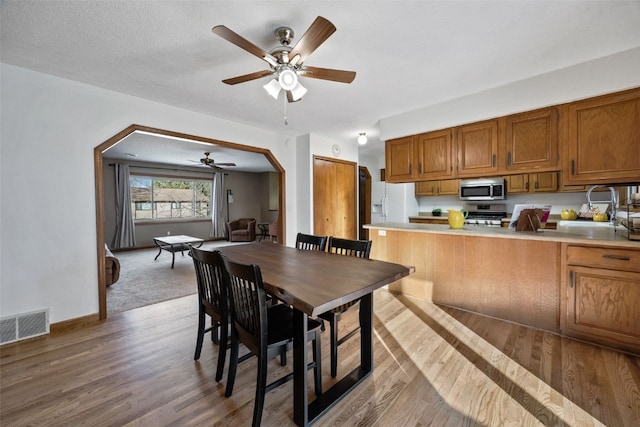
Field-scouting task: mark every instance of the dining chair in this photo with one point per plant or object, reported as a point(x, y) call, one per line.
point(309, 242)
point(266, 331)
point(212, 302)
point(356, 248)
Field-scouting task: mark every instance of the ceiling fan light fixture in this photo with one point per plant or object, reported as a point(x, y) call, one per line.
point(362, 138)
point(288, 79)
point(298, 92)
point(272, 88)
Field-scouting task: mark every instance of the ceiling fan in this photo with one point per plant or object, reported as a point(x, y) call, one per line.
point(208, 161)
point(286, 62)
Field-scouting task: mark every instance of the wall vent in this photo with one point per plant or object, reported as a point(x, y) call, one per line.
point(23, 326)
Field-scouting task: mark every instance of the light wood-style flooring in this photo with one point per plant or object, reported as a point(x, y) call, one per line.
point(433, 366)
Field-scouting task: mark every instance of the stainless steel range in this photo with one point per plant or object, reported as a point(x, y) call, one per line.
point(486, 215)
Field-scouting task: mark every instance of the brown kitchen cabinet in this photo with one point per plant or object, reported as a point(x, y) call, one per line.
point(543, 182)
point(444, 187)
point(434, 155)
point(600, 294)
point(531, 140)
point(603, 139)
point(477, 145)
point(399, 159)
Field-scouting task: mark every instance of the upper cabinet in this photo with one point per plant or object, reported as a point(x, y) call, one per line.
point(477, 149)
point(531, 140)
point(399, 159)
point(435, 155)
point(594, 141)
point(603, 139)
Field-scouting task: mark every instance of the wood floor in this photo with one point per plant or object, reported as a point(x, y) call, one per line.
point(433, 366)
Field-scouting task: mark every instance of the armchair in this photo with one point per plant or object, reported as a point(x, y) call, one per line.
point(242, 230)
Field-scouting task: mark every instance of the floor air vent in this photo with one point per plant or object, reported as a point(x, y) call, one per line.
point(25, 325)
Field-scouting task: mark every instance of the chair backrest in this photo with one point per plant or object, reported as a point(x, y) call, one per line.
point(248, 303)
point(209, 276)
point(310, 242)
point(357, 248)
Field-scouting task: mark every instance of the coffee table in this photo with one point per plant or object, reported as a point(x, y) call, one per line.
point(175, 244)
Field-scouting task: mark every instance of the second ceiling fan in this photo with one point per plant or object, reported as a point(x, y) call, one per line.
point(286, 62)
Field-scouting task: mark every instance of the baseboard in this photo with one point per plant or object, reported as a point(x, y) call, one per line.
point(77, 323)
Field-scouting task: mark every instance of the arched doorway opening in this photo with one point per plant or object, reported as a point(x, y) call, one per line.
point(99, 190)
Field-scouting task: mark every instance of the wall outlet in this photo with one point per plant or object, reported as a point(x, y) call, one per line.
point(382, 232)
point(168, 233)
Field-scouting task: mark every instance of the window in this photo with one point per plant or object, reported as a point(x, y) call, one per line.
point(156, 198)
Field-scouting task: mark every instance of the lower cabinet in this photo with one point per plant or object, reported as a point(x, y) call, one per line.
point(601, 295)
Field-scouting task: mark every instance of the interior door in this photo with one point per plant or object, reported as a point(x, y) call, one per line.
point(334, 197)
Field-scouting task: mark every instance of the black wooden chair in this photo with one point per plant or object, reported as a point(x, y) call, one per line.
point(310, 242)
point(357, 248)
point(266, 332)
point(212, 302)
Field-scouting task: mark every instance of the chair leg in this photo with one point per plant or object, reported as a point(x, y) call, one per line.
point(215, 332)
point(317, 359)
point(333, 336)
point(261, 384)
point(283, 359)
point(201, 326)
point(222, 350)
point(233, 364)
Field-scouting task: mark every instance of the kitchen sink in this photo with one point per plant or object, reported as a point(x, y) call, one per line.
point(583, 223)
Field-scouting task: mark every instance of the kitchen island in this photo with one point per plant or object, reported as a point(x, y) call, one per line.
point(579, 281)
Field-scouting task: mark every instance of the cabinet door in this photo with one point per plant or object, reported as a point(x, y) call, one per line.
point(448, 187)
point(544, 182)
point(604, 139)
point(426, 188)
point(517, 183)
point(603, 304)
point(477, 148)
point(399, 155)
point(532, 140)
point(434, 151)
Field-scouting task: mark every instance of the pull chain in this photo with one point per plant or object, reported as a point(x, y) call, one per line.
point(284, 99)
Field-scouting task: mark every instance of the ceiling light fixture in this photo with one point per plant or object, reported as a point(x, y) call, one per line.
point(362, 139)
point(287, 80)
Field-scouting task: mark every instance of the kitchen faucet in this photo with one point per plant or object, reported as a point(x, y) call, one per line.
point(614, 200)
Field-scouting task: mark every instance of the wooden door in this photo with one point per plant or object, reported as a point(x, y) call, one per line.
point(604, 139)
point(399, 157)
point(532, 140)
point(544, 182)
point(517, 183)
point(334, 197)
point(434, 155)
point(426, 188)
point(478, 148)
point(448, 187)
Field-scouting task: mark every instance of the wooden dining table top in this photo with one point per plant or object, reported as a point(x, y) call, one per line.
point(315, 282)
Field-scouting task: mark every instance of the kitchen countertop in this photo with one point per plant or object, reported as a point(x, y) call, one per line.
point(566, 233)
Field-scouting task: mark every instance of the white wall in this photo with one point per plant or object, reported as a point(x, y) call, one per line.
point(49, 129)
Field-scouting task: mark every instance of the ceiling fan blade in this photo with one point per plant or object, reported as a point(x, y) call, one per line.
point(247, 77)
point(224, 164)
point(241, 42)
point(316, 34)
point(341, 76)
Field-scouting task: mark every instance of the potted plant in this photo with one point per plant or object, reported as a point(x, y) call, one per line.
point(436, 212)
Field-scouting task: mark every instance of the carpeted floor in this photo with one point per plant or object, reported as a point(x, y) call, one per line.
point(144, 281)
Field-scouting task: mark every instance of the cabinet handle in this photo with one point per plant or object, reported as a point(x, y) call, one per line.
point(526, 185)
point(493, 161)
point(535, 185)
point(571, 279)
point(573, 167)
point(509, 158)
point(618, 257)
point(420, 168)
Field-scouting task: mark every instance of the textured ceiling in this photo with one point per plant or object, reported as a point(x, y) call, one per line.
point(407, 55)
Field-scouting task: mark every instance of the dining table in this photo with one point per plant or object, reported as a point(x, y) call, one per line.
point(314, 282)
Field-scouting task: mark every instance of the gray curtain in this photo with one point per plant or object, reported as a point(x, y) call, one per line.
point(125, 228)
point(218, 223)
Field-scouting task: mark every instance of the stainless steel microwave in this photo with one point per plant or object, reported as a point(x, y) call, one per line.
point(482, 189)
